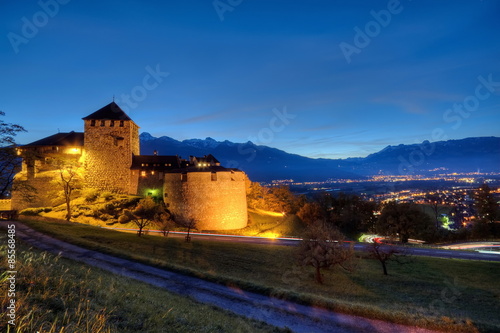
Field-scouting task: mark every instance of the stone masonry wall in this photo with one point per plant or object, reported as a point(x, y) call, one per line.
point(215, 204)
point(108, 155)
point(5, 204)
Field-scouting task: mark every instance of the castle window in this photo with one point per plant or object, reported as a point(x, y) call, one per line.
point(92, 122)
point(214, 176)
point(122, 123)
point(184, 177)
point(103, 123)
point(152, 172)
point(143, 173)
point(112, 123)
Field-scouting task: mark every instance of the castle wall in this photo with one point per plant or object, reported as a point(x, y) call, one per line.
point(215, 202)
point(108, 154)
point(44, 195)
point(42, 176)
point(5, 204)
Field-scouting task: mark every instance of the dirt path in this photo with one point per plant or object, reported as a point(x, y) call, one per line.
point(298, 318)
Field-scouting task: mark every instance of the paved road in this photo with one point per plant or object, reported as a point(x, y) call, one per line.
point(417, 251)
point(298, 318)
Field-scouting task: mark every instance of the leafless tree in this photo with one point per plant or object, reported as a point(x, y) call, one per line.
point(9, 160)
point(385, 253)
point(323, 247)
point(189, 224)
point(68, 179)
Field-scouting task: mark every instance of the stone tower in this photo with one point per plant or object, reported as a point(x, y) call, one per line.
point(111, 139)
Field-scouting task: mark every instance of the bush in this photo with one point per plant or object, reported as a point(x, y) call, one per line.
point(91, 195)
point(35, 211)
point(107, 195)
point(105, 217)
point(123, 219)
point(130, 202)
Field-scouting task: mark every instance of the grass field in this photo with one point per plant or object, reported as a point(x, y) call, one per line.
point(452, 295)
point(59, 295)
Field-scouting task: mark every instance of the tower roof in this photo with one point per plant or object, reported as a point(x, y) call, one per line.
point(109, 112)
point(59, 139)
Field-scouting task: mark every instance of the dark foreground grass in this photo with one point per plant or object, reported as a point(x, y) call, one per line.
point(446, 294)
point(60, 295)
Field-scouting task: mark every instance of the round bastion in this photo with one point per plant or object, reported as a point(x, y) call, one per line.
point(215, 197)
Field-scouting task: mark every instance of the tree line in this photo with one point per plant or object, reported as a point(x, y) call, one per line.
point(353, 216)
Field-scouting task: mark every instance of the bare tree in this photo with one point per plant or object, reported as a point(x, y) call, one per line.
point(385, 253)
point(323, 247)
point(189, 224)
point(9, 160)
point(68, 179)
point(434, 202)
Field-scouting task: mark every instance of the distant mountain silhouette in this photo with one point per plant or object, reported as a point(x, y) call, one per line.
point(264, 163)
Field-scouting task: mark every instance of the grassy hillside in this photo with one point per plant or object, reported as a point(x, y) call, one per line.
point(104, 210)
point(453, 295)
point(63, 296)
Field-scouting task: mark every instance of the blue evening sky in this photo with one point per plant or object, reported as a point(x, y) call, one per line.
point(316, 78)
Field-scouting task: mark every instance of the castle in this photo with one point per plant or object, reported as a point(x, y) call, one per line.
point(109, 152)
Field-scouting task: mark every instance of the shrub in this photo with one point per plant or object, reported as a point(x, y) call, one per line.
point(91, 195)
point(35, 211)
point(105, 217)
point(107, 195)
point(123, 219)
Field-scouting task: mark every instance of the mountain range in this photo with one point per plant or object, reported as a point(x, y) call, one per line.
point(263, 163)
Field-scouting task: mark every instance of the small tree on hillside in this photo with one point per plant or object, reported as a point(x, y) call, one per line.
point(323, 247)
point(68, 180)
point(164, 221)
point(385, 253)
point(143, 215)
point(434, 202)
point(189, 224)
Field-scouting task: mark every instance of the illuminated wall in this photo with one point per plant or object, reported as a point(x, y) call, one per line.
point(216, 201)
